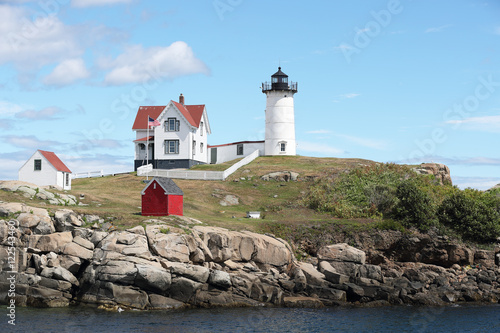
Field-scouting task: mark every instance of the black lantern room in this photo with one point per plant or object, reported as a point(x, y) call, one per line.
point(279, 81)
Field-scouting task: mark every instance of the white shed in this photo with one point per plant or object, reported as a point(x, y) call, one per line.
point(45, 168)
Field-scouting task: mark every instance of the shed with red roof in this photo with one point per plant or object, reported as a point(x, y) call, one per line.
point(162, 197)
point(45, 168)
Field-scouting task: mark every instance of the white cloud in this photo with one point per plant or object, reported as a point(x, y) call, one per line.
point(438, 29)
point(321, 148)
point(43, 114)
point(9, 109)
point(29, 44)
point(28, 141)
point(90, 3)
point(9, 166)
point(138, 65)
point(105, 162)
point(370, 143)
point(67, 72)
point(480, 183)
point(486, 123)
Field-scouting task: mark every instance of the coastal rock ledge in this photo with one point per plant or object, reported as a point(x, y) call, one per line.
point(59, 263)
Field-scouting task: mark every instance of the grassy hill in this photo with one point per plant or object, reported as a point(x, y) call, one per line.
point(120, 196)
point(331, 195)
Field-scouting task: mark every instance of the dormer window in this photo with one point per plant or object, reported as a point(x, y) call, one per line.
point(172, 125)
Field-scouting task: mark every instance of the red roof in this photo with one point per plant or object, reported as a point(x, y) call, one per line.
point(141, 119)
point(55, 161)
point(192, 113)
point(146, 138)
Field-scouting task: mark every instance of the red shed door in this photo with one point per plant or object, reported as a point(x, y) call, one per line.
point(154, 201)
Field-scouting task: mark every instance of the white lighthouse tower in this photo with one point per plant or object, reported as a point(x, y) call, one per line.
point(280, 119)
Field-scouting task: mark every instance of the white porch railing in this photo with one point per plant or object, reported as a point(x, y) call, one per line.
point(203, 175)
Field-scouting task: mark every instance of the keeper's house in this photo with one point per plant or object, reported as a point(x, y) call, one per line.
point(180, 140)
point(44, 168)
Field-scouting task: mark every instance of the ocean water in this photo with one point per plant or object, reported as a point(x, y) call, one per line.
point(385, 319)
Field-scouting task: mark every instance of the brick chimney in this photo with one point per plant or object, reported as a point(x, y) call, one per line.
point(181, 99)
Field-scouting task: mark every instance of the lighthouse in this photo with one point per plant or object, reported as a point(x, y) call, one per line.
point(280, 119)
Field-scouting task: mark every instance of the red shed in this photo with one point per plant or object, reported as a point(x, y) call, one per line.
point(162, 197)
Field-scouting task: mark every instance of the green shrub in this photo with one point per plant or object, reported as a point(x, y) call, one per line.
point(414, 206)
point(472, 214)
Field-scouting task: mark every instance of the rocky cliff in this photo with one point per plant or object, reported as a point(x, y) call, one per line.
point(60, 263)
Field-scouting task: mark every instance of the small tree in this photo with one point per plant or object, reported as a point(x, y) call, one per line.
point(414, 207)
point(472, 214)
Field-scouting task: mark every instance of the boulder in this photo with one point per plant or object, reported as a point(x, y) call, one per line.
point(331, 275)
point(27, 191)
point(123, 272)
point(281, 176)
point(440, 171)
point(54, 242)
point(342, 252)
point(312, 275)
point(193, 272)
point(83, 243)
point(46, 298)
point(45, 227)
point(302, 302)
point(59, 273)
point(71, 263)
point(123, 242)
point(220, 279)
point(124, 295)
point(152, 278)
point(66, 220)
point(28, 220)
point(182, 289)
point(171, 246)
point(229, 200)
point(73, 249)
point(158, 302)
point(269, 250)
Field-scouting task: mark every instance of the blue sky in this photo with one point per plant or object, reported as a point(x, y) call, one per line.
point(391, 81)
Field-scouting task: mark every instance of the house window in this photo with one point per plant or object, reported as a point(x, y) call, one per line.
point(38, 165)
point(239, 149)
point(201, 129)
point(201, 147)
point(194, 147)
point(142, 146)
point(67, 179)
point(282, 147)
point(171, 146)
point(172, 125)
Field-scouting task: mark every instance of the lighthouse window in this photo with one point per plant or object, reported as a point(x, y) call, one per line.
point(285, 80)
point(283, 146)
point(274, 80)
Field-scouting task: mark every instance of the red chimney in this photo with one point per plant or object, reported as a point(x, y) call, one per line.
point(181, 99)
